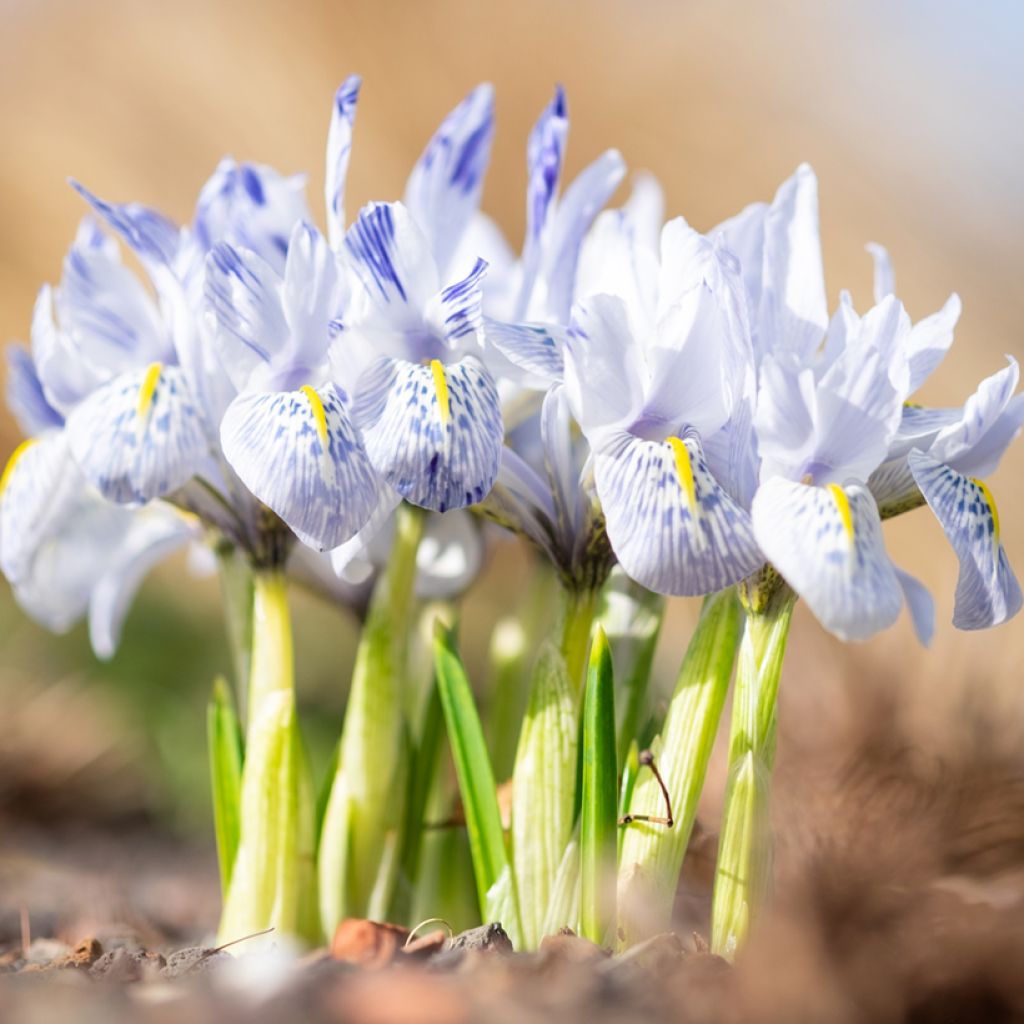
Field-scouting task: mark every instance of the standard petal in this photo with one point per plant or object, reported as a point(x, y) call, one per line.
point(444, 188)
point(392, 259)
point(793, 311)
point(140, 436)
point(671, 525)
point(24, 394)
point(243, 292)
point(456, 312)
point(987, 592)
point(149, 233)
point(339, 148)
point(884, 279)
point(433, 432)
point(827, 543)
point(929, 340)
point(920, 604)
point(250, 206)
point(538, 350)
point(299, 454)
point(582, 202)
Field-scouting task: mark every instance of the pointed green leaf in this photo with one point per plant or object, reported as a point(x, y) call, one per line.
point(599, 795)
point(224, 737)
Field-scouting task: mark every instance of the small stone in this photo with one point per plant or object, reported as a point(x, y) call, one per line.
point(488, 938)
point(567, 945)
point(123, 966)
point(83, 956)
point(45, 951)
point(370, 944)
point(193, 960)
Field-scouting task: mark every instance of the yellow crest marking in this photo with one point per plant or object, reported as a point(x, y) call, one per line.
point(444, 402)
point(148, 389)
point(5, 477)
point(684, 471)
point(319, 414)
point(843, 504)
point(991, 502)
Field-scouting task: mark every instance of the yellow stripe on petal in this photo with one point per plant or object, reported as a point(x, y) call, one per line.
point(5, 477)
point(444, 404)
point(148, 389)
point(319, 415)
point(991, 502)
point(684, 471)
point(843, 504)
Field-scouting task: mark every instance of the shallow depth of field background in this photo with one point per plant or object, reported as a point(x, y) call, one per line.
point(910, 112)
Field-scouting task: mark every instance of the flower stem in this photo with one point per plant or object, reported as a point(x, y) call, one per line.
point(236, 587)
point(652, 854)
point(578, 607)
point(273, 882)
point(742, 875)
point(366, 799)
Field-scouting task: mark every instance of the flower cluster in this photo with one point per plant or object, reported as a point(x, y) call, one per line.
point(623, 390)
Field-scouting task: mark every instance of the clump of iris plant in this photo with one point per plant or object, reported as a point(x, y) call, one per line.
point(648, 410)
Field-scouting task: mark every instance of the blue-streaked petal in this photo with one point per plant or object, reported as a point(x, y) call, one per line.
point(147, 232)
point(456, 313)
point(987, 592)
point(244, 294)
point(250, 206)
point(356, 560)
point(39, 483)
point(444, 188)
point(920, 604)
point(538, 350)
point(151, 535)
point(299, 454)
point(339, 149)
point(582, 202)
point(793, 312)
point(140, 436)
point(544, 154)
point(433, 432)
point(671, 525)
point(392, 259)
point(827, 544)
point(24, 394)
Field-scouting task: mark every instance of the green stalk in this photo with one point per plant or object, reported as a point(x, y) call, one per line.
point(236, 587)
point(365, 807)
point(577, 617)
point(273, 884)
point(544, 789)
point(599, 796)
point(652, 854)
point(743, 872)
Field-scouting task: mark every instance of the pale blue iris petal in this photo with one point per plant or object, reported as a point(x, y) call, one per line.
point(450, 555)
point(987, 592)
point(151, 535)
point(984, 456)
point(391, 257)
point(743, 236)
point(339, 149)
point(660, 540)
point(884, 278)
point(929, 340)
point(535, 352)
point(155, 239)
point(39, 488)
point(544, 155)
point(456, 313)
point(433, 460)
point(582, 202)
point(849, 583)
point(244, 293)
point(793, 311)
point(25, 396)
point(250, 206)
point(920, 605)
point(133, 448)
point(325, 490)
point(356, 560)
point(444, 188)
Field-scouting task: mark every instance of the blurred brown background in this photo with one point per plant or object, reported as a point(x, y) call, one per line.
point(910, 111)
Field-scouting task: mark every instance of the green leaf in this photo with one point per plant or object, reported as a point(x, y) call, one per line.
point(599, 795)
point(224, 736)
point(473, 769)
